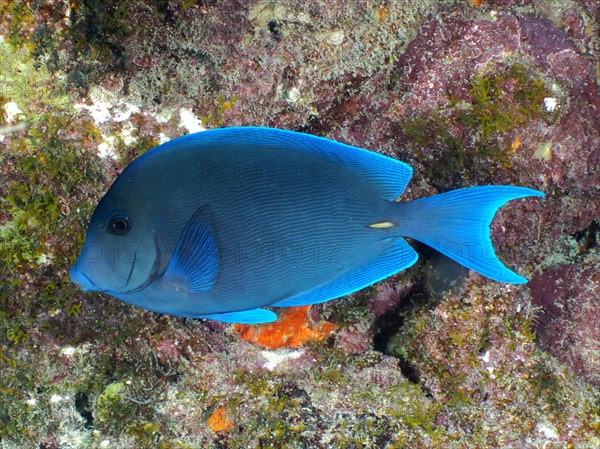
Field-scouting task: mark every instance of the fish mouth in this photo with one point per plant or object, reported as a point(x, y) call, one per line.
point(86, 284)
point(81, 279)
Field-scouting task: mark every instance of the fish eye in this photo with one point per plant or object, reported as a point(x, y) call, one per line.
point(119, 224)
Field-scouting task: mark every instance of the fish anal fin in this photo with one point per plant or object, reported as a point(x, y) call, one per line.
point(253, 316)
point(396, 255)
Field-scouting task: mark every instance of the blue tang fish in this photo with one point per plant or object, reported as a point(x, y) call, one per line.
point(222, 223)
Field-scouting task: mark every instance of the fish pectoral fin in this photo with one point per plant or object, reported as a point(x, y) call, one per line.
point(394, 256)
point(194, 264)
point(253, 316)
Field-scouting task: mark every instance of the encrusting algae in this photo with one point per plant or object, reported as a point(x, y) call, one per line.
point(219, 421)
point(292, 330)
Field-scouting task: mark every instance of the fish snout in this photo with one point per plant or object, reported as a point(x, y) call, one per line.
point(81, 279)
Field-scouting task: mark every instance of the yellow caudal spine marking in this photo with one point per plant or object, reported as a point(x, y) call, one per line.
point(382, 225)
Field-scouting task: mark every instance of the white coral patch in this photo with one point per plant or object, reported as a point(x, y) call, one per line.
point(107, 106)
point(107, 148)
point(162, 138)
point(127, 134)
point(127, 109)
point(68, 350)
point(276, 358)
point(99, 110)
point(55, 398)
point(294, 95)
point(189, 121)
point(12, 110)
point(548, 431)
point(164, 116)
point(550, 103)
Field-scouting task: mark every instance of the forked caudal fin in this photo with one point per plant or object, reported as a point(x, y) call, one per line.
point(457, 224)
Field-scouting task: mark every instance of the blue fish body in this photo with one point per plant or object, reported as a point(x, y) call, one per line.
point(222, 223)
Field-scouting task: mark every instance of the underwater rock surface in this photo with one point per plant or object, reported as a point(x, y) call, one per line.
point(467, 92)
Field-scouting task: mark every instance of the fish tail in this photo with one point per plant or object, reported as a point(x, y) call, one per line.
point(457, 224)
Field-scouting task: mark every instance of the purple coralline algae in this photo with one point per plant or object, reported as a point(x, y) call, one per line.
point(466, 92)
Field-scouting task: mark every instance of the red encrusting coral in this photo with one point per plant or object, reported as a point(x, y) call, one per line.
point(292, 329)
point(218, 421)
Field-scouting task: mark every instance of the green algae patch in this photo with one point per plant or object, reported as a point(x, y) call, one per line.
point(26, 83)
point(47, 150)
point(50, 176)
point(48, 162)
point(215, 117)
point(111, 406)
point(280, 411)
point(543, 151)
point(481, 127)
point(504, 100)
point(435, 131)
point(17, 16)
point(17, 411)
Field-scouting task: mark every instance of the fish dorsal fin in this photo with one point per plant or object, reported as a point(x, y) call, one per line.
point(253, 316)
point(194, 264)
point(386, 175)
point(395, 256)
